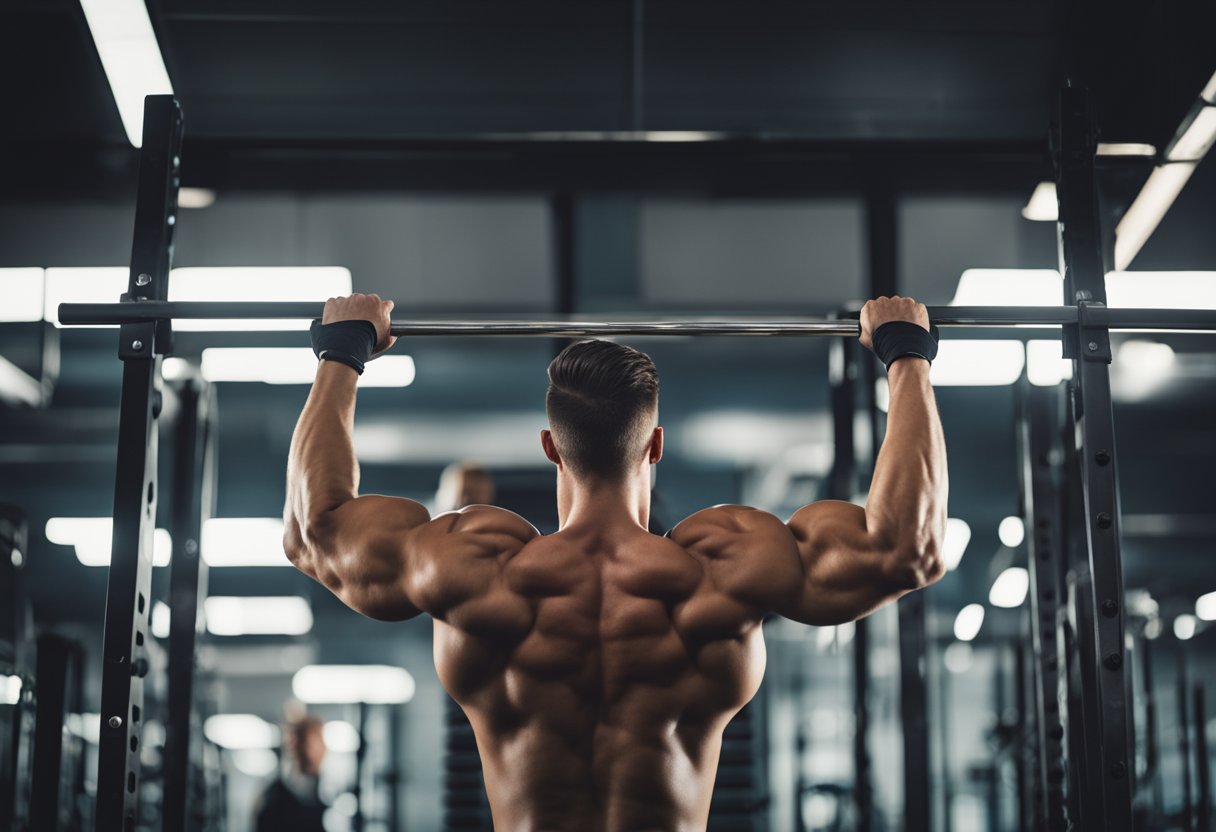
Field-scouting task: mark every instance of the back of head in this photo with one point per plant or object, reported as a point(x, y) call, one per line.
point(602, 405)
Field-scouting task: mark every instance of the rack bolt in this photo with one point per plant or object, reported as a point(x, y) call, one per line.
point(143, 279)
point(1093, 346)
point(115, 722)
point(137, 344)
point(1102, 457)
point(1113, 662)
point(1104, 520)
point(1110, 608)
point(1118, 770)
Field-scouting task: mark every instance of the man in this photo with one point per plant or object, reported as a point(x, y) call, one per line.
point(291, 801)
point(598, 665)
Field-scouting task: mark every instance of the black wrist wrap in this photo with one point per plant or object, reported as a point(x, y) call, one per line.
point(349, 342)
point(899, 339)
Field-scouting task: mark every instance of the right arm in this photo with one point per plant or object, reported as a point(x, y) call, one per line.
point(834, 561)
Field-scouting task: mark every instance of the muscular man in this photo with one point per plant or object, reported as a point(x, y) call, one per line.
point(599, 665)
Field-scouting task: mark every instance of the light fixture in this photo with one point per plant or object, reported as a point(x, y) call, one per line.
point(86, 726)
point(240, 731)
point(255, 762)
point(92, 538)
point(295, 365)
point(1042, 205)
point(273, 615)
point(1125, 149)
point(962, 363)
point(1009, 287)
point(1161, 290)
point(1045, 363)
point(1010, 588)
point(1195, 137)
point(10, 690)
point(968, 622)
point(195, 198)
point(1140, 369)
point(130, 57)
point(95, 284)
point(958, 535)
point(1185, 626)
point(160, 619)
point(22, 290)
point(352, 683)
point(1148, 209)
point(16, 385)
point(247, 283)
point(957, 657)
point(1205, 607)
point(340, 737)
point(244, 541)
point(1011, 531)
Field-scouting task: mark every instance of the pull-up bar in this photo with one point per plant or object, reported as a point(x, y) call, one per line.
point(944, 316)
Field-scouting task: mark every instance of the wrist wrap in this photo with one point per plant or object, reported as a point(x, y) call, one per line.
point(348, 342)
point(899, 339)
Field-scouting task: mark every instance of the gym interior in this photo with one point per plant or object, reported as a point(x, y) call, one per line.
point(565, 167)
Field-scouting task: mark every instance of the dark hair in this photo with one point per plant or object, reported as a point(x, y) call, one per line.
point(601, 403)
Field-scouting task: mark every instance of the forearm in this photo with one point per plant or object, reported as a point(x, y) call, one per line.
point(906, 508)
point(322, 473)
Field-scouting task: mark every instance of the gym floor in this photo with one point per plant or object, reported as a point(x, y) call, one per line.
point(607, 162)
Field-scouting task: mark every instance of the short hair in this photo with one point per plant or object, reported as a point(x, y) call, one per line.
point(601, 404)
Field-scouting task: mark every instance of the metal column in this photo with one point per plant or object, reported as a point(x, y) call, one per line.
point(1039, 422)
point(1108, 719)
point(128, 598)
point(193, 503)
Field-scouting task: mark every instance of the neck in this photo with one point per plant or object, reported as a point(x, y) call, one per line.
point(602, 501)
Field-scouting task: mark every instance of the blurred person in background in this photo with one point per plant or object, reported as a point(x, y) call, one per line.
point(464, 484)
point(292, 801)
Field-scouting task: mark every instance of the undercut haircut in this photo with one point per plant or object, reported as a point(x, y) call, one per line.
point(602, 405)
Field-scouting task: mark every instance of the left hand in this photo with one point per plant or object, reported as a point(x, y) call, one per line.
point(358, 307)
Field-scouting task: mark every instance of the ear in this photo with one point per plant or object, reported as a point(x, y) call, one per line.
point(550, 448)
point(655, 452)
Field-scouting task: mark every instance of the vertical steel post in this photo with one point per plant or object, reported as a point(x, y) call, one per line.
point(1039, 420)
point(1108, 715)
point(193, 503)
point(128, 594)
point(1203, 795)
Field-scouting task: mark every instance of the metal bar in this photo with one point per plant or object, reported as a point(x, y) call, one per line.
point(1039, 419)
point(942, 316)
point(135, 488)
point(1203, 797)
point(1186, 814)
point(1108, 717)
point(193, 503)
point(58, 673)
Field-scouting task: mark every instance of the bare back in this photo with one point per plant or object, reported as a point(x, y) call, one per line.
point(598, 680)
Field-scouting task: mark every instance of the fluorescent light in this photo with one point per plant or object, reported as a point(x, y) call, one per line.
point(195, 198)
point(1197, 137)
point(1161, 290)
point(244, 541)
point(958, 535)
point(1125, 149)
point(1045, 363)
point(242, 283)
point(1140, 369)
point(961, 363)
point(958, 657)
point(101, 284)
point(130, 56)
point(174, 369)
point(273, 615)
point(18, 385)
point(1009, 287)
point(1184, 627)
point(87, 726)
point(1148, 209)
point(10, 690)
point(1042, 206)
point(160, 619)
point(22, 290)
point(1152, 629)
point(1205, 607)
point(295, 365)
point(968, 622)
point(255, 762)
point(93, 536)
point(680, 136)
point(1012, 531)
point(352, 683)
point(239, 731)
point(1010, 588)
point(341, 737)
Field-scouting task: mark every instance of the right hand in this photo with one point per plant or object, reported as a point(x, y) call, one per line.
point(884, 310)
point(357, 307)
